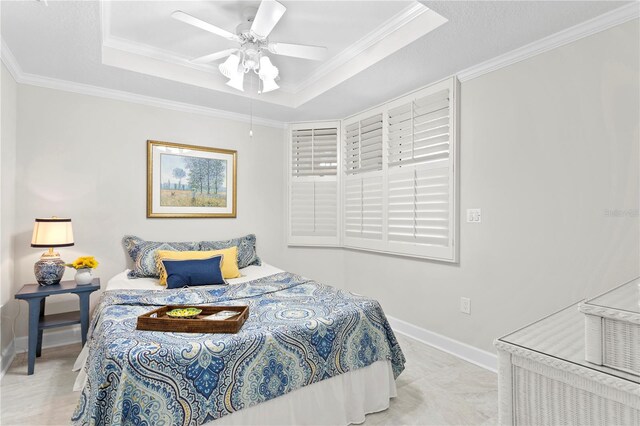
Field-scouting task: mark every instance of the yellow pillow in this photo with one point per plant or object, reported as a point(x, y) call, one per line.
point(229, 260)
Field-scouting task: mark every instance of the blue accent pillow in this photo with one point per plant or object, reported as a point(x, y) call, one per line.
point(247, 254)
point(143, 254)
point(192, 273)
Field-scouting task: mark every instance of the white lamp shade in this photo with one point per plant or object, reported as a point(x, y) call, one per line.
point(237, 82)
point(52, 232)
point(229, 68)
point(268, 85)
point(267, 69)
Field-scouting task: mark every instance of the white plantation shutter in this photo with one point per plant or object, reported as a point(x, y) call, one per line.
point(403, 203)
point(418, 201)
point(313, 184)
point(353, 207)
point(419, 130)
point(352, 148)
point(363, 180)
point(314, 209)
point(363, 200)
point(314, 152)
point(363, 145)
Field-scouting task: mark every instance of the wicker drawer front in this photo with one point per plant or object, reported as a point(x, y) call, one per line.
point(621, 345)
point(543, 400)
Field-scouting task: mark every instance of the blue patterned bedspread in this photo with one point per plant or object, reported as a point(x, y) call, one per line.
point(298, 332)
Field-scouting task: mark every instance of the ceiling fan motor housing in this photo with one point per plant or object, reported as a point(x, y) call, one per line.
point(251, 55)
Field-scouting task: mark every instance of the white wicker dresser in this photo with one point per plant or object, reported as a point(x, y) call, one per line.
point(612, 328)
point(544, 379)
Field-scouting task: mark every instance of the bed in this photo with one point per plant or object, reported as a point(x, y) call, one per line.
point(308, 354)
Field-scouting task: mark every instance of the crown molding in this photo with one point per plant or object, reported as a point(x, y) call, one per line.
point(9, 60)
point(154, 52)
point(585, 29)
point(22, 77)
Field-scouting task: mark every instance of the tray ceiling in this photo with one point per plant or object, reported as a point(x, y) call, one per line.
point(61, 45)
point(142, 37)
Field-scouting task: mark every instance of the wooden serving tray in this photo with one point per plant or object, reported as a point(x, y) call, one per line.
point(157, 320)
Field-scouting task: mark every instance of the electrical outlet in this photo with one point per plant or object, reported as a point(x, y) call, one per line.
point(474, 215)
point(465, 305)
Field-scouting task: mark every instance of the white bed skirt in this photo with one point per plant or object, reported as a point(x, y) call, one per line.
point(341, 400)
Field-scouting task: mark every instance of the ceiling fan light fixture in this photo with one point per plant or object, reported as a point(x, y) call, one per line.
point(237, 81)
point(269, 85)
point(229, 68)
point(267, 69)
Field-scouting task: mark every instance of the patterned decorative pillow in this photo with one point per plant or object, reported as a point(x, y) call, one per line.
point(143, 254)
point(247, 254)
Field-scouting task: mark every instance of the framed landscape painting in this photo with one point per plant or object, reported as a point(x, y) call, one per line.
point(190, 181)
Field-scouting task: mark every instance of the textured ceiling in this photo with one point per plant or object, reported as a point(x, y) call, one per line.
point(63, 41)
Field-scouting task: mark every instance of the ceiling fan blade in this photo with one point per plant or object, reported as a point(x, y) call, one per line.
point(213, 56)
point(268, 15)
point(192, 20)
point(316, 53)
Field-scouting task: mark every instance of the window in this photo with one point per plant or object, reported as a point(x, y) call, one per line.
point(402, 200)
point(395, 189)
point(313, 184)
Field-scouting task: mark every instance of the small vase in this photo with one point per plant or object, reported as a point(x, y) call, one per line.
point(84, 276)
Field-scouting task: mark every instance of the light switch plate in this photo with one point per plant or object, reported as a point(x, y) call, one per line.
point(474, 215)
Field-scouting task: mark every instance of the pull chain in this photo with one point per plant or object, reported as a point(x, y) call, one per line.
point(251, 112)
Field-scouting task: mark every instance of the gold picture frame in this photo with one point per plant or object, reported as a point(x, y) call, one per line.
point(189, 181)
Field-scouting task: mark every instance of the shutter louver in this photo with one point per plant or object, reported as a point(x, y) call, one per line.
point(352, 148)
point(314, 152)
point(302, 207)
point(419, 132)
point(363, 145)
point(353, 207)
point(363, 207)
point(325, 213)
point(313, 184)
point(372, 200)
point(418, 206)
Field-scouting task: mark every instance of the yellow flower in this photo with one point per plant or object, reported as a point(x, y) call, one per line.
point(85, 262)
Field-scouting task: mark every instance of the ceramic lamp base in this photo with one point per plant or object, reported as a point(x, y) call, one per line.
point(49, 270)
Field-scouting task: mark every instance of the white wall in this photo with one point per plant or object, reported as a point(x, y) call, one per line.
point(8, 306)
point(547, 146)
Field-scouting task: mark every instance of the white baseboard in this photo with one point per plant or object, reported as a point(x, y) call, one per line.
point(461, 350)
point(51, 339)
point(8, 355)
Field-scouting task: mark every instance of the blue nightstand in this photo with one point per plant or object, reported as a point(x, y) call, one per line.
point(36, 294)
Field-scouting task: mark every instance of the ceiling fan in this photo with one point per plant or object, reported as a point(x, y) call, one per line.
point(252, 35)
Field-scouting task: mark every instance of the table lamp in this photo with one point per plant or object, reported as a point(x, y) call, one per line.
point(50, 233)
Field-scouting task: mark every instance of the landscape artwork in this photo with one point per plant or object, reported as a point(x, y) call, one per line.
point(190, 181)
